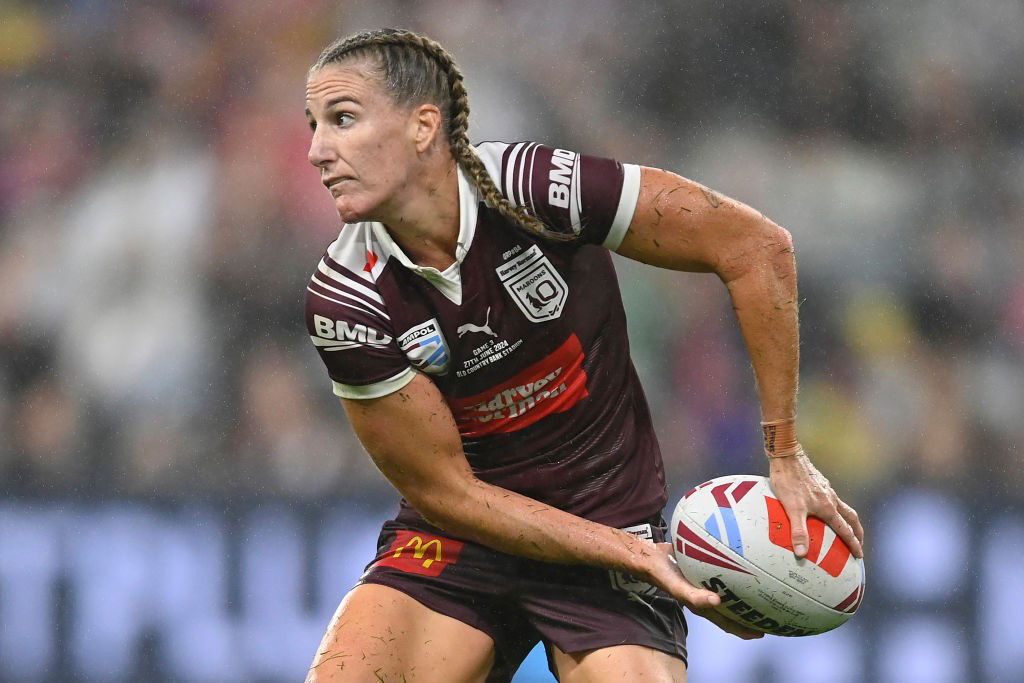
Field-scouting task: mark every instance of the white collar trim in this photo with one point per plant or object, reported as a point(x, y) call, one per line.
point(448, 281)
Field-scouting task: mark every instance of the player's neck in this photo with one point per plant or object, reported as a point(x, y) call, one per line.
point(426, 223)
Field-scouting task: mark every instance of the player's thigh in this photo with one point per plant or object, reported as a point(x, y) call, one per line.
point(381, 634)
point(618, 663)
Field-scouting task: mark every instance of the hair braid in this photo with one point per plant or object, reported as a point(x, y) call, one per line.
point(410, 79)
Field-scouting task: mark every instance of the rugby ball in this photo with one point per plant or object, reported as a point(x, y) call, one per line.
point(731, 535)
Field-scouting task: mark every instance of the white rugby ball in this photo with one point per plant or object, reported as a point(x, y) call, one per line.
point(731, 535)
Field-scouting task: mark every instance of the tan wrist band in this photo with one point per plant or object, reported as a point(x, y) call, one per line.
point(780, 438)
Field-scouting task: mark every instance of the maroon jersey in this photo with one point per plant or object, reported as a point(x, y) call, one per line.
point(524, 337)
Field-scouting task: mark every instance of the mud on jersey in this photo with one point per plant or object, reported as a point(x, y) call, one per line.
point(525, 338)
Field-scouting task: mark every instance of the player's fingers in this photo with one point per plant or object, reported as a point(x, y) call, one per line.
point(728, 625)
point(845, 532)
point(680, 588)
point(694, 597)
point(851, 516)
point(798, 525)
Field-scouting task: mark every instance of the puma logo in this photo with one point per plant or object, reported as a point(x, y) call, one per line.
point(470, 327)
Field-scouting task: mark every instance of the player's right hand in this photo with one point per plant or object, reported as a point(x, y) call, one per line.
point(803, 491)
point(668, 577)
point(728, 625)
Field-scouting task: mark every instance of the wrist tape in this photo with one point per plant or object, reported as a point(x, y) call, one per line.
point(780, 438)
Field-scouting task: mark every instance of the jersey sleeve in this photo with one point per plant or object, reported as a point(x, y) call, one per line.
point(589, 196)
point(352, 332)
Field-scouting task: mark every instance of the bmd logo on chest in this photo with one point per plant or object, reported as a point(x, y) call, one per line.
point(535, 285)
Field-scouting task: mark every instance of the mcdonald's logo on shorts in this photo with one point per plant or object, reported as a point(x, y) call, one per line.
point(420, 553)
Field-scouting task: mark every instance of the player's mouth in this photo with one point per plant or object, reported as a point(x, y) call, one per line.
point(333, 184)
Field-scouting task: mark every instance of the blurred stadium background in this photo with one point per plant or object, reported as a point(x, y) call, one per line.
point(181, 496)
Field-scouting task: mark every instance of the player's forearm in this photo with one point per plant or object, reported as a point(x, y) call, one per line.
point(764, 297)
point(512, 523)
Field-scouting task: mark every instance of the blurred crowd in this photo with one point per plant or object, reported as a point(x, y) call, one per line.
point(159, 220)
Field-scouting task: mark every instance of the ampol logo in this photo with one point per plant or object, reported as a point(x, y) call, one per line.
point(425, 347)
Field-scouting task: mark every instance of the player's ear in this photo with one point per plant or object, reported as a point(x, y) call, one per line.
point(425, 126)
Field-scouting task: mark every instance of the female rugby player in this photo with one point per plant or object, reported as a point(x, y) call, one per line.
point(471, 323)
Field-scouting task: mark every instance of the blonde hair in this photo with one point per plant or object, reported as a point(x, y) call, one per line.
point(414, 68)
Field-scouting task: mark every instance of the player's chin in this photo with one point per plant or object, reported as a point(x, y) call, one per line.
point(349, 212)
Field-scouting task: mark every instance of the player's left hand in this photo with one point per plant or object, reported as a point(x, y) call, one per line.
point(803, 491)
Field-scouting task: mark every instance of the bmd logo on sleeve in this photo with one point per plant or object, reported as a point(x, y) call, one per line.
point(564, 189)
point(339, 335)
point(426, 348)
point(535, 285)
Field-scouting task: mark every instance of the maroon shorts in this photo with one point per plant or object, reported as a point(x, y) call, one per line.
point(518, 602)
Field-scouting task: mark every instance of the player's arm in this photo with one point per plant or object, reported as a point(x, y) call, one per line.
point(412, 437)
point(682, 225)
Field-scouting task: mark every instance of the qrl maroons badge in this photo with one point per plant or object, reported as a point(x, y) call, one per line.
point(535, 285)
point(425, 347)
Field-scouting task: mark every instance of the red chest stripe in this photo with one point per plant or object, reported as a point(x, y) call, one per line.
point(553, 384)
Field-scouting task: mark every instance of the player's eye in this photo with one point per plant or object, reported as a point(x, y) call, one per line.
point(343, 118)
point(312, 125)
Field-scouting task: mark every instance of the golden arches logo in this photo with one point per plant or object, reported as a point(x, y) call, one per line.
point(421, 549)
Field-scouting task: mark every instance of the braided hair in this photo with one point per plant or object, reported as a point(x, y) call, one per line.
point(414, 68)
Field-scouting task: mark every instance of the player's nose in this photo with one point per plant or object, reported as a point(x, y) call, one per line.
point(320, 153)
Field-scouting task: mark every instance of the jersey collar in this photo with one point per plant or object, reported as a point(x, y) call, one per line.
point(449, 280)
